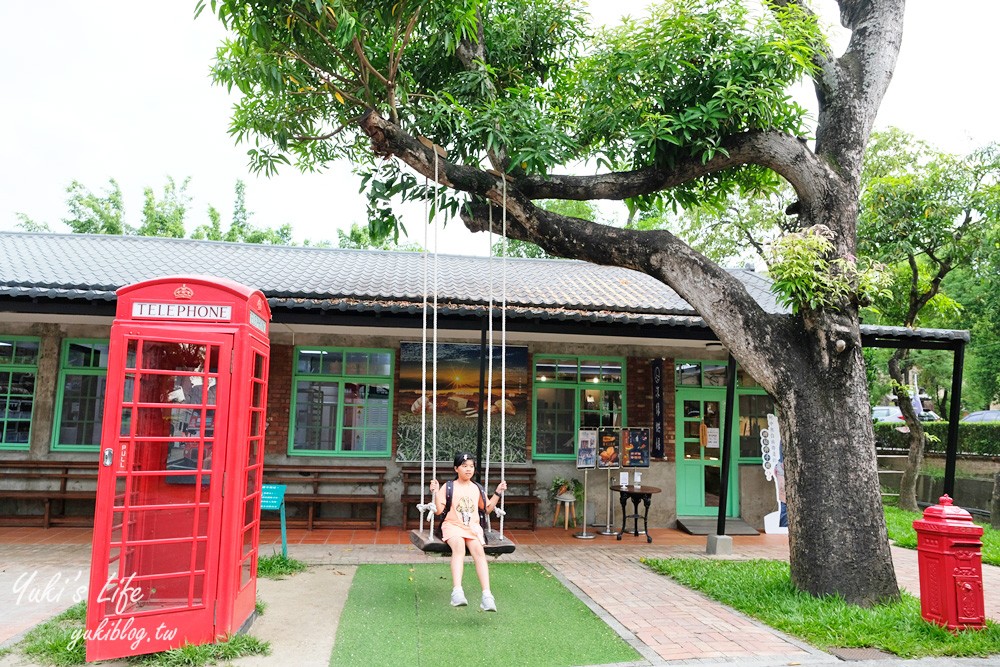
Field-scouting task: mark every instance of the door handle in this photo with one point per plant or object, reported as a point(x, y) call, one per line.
point(108, 457)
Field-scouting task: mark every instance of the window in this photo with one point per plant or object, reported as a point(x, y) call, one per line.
point(571, 393)
point(83, 370)
point(18, 367)
point(341, 402)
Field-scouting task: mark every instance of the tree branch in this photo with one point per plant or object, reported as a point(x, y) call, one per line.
point(786, 155)
point(720, 298)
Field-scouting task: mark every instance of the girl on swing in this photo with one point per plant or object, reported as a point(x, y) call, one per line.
point(461, 528)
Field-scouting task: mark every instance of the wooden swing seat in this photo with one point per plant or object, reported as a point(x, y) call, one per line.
point(496, 545)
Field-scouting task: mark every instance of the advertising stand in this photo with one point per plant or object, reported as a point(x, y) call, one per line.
point(608, 448)
point(586, 458)
point(177, 520)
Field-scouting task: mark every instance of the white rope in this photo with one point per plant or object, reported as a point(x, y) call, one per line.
point(434, 347)
point(489, 374)
point(503, 354)
point(423, 383)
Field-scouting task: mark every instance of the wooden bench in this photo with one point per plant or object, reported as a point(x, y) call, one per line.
point(48, 482)
point(520, 501)
point(317, 485)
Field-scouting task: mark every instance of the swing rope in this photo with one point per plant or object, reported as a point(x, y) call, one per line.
point(430, 507)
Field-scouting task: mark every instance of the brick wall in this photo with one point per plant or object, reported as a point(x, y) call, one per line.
point(639, 397)
point(279, 400)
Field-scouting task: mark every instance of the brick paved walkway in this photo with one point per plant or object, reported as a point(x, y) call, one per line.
point(665, 622)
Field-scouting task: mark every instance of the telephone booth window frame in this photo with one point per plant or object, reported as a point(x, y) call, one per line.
point(10, 366)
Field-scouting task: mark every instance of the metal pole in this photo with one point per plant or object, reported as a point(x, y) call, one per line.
point(607, 528)
point(951, 452)
point(727, 442)
point(584, 535)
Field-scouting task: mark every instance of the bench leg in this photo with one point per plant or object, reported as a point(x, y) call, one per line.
point(47, 517)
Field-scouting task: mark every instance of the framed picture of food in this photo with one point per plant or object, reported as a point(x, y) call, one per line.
point(608, 448)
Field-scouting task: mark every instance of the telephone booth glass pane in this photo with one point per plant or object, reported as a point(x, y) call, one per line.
point(161, 528)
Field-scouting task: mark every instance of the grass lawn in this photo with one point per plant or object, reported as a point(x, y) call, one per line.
point(762, 589)
point(399, 615)
point(901, 532)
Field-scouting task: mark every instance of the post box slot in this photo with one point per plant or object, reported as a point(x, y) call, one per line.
point(970, 545)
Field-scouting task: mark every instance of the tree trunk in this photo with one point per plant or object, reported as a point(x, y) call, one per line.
point(838, 541)
point(916, 439)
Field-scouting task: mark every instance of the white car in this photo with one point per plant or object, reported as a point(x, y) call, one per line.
point(892, 413)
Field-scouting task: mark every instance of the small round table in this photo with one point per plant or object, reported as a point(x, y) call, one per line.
point(635, 494)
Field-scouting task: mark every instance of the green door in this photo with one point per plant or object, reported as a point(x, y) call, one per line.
point(699, 450)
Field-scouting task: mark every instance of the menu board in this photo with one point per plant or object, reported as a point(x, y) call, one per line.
point(635, 444)
point(586, 454)
point(608, 448)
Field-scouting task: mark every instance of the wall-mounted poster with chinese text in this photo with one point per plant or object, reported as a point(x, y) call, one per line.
point(586, 453)
point(458, 402)
point(635, 444)
point(608, 448)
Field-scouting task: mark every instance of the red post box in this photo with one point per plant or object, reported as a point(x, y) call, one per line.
point(176, 526)
point(950, 564)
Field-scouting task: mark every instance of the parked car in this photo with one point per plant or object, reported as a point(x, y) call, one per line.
point(891, 413)
point(982, 416)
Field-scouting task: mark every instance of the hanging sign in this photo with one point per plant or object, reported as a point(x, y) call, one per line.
point(656, 367)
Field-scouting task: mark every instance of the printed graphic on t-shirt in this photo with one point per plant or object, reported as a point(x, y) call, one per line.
point(466, 508)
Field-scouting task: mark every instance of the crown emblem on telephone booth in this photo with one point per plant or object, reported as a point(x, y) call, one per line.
point(183, 292)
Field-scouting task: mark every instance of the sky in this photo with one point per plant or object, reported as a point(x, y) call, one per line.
point(121, 89)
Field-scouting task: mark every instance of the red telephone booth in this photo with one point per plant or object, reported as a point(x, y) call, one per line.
point(177, 521)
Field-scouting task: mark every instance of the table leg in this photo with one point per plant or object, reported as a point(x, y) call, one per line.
point(635, 516)
point(646, 499)
point(624, 500)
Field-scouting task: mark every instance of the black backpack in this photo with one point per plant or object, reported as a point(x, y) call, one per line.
point(449, 490)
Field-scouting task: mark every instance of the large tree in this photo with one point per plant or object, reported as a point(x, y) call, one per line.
point(490, 100)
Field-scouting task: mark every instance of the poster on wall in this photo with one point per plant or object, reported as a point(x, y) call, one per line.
point(636, 447)
point(586, 454)
point(458, 402)
point(608, 448)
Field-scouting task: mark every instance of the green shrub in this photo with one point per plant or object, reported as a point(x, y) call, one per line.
point(973, 437)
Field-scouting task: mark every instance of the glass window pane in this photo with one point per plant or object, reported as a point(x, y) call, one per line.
point(381, 364)
point(26, 353)
point(310, 361)
point(714, 375)
point(316, 406)
point(744, 379)
point(590, 371)
point(6, 350)
point(611, 372)
point(82, 410)
point(545, 370)
point(555, 426)
point(357, 363)
point(566, 370)
point(688, 375)
point(753, 417)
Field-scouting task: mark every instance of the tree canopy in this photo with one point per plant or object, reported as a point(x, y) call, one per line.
point(499, 101)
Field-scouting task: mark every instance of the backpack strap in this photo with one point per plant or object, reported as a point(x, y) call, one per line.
point(449, 490)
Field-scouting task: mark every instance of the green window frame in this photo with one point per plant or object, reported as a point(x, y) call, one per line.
point(18, 375)
point(82, 386)
point(572, 392)
point(342, 402)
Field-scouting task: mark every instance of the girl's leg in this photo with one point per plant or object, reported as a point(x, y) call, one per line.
point(457, 545)
point(479, 558)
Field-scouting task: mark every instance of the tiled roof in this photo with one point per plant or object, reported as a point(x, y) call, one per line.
point(91, 267)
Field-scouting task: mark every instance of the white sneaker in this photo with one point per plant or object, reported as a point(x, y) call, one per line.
point(488, 603)
point(458, 598)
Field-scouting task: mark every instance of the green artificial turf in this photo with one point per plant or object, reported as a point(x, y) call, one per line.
point(400, 615)
point(763, 589)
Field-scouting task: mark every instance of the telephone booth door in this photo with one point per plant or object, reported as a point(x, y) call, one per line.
point(176, 527)
point(156, 547)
